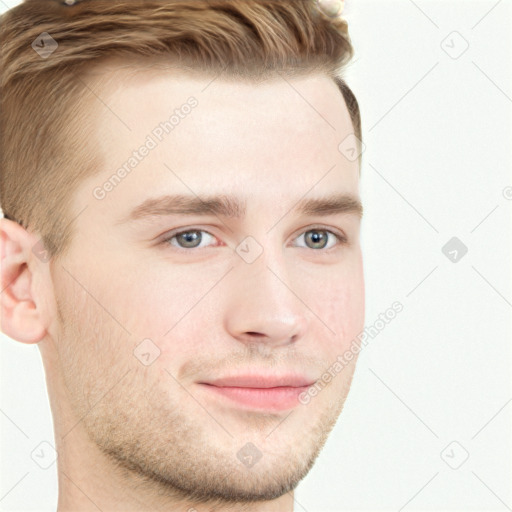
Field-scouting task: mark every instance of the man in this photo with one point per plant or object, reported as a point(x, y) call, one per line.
point(180, 182)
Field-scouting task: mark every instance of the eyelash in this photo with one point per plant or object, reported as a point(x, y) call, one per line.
point(341, 239)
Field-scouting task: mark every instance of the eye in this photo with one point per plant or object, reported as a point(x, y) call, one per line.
point(189, 239)
point(318, 239)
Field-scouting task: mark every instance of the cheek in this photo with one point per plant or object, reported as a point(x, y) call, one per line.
point(172, 310)
point(341, 307)
point(153, 302)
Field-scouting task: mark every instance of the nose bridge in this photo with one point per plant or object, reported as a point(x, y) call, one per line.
point(268, 274)
point(263, 301)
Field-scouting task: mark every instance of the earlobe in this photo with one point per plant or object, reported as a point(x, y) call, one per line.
point(20, 317)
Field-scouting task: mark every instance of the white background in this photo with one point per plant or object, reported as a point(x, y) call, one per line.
point(437, 165)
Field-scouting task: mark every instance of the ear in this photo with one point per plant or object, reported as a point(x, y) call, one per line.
point(20, 316)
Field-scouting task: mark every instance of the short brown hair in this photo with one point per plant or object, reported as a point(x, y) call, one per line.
point(43, 147)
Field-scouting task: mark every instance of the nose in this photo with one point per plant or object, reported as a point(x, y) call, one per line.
point(262, 305)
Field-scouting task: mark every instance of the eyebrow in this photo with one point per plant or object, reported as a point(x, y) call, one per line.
point(230, 207)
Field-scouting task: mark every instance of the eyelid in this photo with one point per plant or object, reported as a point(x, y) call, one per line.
point(341, 237)
point(178, 231)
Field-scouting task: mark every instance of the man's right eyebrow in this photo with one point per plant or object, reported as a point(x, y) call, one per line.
point(179, 204)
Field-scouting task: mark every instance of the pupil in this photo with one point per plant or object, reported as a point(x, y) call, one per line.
point(316, 236)
point(190, 237)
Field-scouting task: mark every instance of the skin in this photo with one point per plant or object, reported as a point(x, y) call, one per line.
point(131, 436)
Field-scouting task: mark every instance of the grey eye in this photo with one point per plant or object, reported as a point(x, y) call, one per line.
point(317, 237)
point(189, 239)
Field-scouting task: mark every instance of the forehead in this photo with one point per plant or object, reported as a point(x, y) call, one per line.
point(241, 137)
point(136, 91)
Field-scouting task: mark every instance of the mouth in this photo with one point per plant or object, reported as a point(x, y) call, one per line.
point(274, 393)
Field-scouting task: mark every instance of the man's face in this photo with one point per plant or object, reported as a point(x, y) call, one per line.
point(149, 320)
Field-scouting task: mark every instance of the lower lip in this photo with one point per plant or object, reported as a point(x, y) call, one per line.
point(276, 399)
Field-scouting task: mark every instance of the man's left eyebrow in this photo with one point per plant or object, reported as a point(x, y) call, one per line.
point(231, 207)
point(331, 205)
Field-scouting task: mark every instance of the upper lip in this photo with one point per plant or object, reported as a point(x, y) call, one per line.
point(262, 381)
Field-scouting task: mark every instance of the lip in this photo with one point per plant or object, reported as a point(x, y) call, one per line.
point(261, 381)
point(274, 393)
